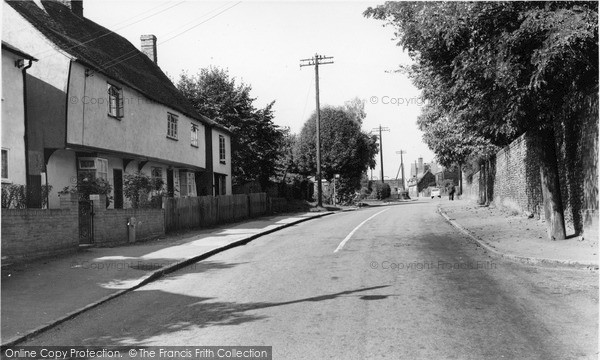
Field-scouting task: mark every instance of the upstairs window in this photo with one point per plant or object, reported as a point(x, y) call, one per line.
point(194, 141)
point(222, 149)
point(4, 164)
point(172, 126)
point(115, 101)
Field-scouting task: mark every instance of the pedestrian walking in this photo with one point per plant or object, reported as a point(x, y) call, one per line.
point(451, 192)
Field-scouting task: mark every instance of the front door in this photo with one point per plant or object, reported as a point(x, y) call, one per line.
point(170, 185)
point(118, 183)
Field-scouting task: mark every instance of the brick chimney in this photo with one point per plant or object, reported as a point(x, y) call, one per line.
point(421, 167)
point(149, 46)
point(76, 6)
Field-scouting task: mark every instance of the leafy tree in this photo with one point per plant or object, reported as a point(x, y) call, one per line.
point(256, 140)
point(493, 70)
point(345, 148)
point(285, 163)
point(356, 108)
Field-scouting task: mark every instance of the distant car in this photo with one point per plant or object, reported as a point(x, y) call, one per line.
point(435, 192)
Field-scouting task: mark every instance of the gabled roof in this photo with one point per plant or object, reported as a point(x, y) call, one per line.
point(106, 52)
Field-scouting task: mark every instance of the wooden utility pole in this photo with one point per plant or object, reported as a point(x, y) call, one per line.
point(401, 152)
point(380, 129)
point(316, 61)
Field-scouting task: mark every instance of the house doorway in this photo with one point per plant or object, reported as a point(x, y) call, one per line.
point(170, 186)
point(118, 191)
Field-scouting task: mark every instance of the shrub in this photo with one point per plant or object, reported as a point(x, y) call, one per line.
point(138, 188)
point(382, 190)
point(14, 196)
point(88, 184)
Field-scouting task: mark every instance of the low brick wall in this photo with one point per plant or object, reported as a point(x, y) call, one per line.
point(111, 225)
point(29, 234)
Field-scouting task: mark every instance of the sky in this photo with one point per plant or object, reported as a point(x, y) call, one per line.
point(262, 43)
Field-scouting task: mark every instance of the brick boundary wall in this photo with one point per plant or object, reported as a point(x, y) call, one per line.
point(517, 181)
point(112, 226)
point(29, 234)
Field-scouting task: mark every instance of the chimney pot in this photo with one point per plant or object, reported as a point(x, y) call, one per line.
point(149, 47)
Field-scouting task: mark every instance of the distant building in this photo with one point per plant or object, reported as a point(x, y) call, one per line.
point(420, 185)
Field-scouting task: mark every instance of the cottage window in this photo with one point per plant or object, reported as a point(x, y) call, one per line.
point(194, 141)
point(172, 126)
point(4, 164)
point(102, 170)
point(96, 168)
point(191, 184)
point(222, 149)
point(157, 173)
point(115, 101)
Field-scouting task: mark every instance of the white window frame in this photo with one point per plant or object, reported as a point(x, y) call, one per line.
point(222, 150)
point(194, 135)
point(6, 161)
point(115, 101)
point(172, 120)
point(191, 183)
point(99, 167)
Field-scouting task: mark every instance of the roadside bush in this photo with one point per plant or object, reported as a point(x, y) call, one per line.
point(382, 190)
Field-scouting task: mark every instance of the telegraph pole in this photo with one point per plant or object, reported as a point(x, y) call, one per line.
point(401, 152)
point(316, 61)
point(380, 129)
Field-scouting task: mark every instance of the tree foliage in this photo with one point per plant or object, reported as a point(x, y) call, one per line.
point(345, 148)
point(356, 109)
point(490, 71)
point(256, 140)
point(139, 189)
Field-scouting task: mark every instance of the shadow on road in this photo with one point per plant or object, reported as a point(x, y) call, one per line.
point(183, 313)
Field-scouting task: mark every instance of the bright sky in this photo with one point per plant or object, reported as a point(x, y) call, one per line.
point(261, 44)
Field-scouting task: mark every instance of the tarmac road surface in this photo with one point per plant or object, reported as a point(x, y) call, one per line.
point(403, 284)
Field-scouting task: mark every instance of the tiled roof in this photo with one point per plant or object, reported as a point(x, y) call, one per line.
point(106, 52)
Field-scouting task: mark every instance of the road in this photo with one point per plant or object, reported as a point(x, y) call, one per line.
point(403, 285)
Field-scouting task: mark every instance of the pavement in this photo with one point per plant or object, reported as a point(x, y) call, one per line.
point(39, 295)
point(506, 234)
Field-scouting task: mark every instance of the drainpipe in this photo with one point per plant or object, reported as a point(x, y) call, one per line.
point(25, 137)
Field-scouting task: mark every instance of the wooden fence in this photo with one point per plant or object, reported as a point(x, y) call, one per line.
point(204, 211)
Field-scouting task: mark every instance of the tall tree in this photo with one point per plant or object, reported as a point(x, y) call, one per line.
point(256, 140)
point(498, 69)
point(356, 109)
point(345, 148)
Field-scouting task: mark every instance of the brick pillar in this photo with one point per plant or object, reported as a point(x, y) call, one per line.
point(69, 201)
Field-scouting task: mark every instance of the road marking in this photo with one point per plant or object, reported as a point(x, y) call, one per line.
point(341, 245)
